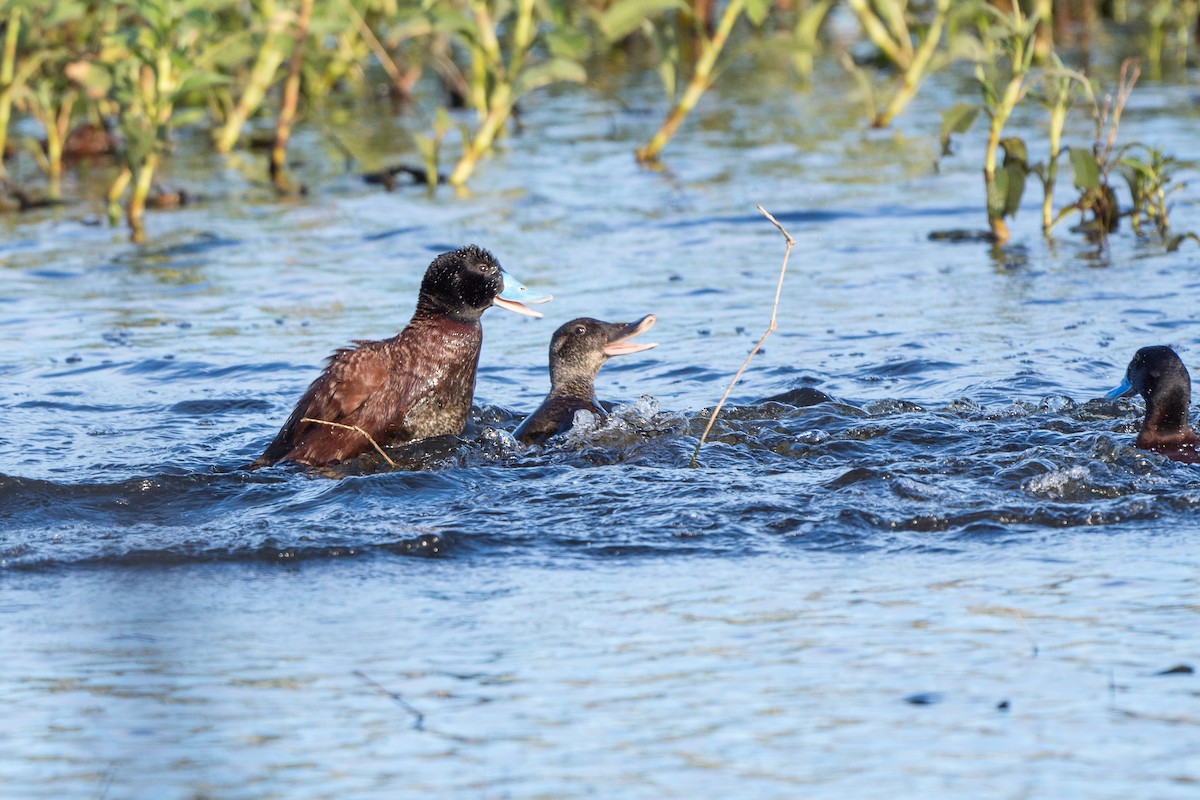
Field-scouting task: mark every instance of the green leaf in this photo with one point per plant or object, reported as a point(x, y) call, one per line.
point(197, 81)
point(1015, 151)
point(1087, 172)
point(61, 13)
point(1015, 187)
point(957, 119)
point(626, 16)
point(553, 71)
point(570, 44)
point(997, 196)
point(181, 119)
point(757, 10)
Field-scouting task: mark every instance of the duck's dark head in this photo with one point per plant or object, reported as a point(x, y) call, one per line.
point(1156, 373)
point(464, 283)
point(1159, 376)
point(580, 347)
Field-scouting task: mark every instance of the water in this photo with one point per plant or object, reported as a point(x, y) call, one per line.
point(958, 577)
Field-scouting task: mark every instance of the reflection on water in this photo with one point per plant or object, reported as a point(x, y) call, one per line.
point(962, 523)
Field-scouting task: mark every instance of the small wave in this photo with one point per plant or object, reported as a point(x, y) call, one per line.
point(830, 476)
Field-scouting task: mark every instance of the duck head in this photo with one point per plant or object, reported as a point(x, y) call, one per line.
point(1159, 376)
point(1155, 372)
point(464, 283)
point(580, 347)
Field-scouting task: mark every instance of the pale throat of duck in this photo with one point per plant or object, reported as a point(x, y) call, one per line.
point(574, 377)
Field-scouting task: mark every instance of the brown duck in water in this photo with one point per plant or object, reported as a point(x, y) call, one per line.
point(577, 351)
point(1159, 376)
point(415, 385)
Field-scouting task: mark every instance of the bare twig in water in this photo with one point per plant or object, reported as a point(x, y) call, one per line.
point(374, 443)
point(418, 717)
point(1032, 642)
point(108, 781)
point(770, 329)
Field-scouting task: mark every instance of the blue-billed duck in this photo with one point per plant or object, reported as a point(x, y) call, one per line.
point(577, 351)
point(1159, 376)
point(415, 385)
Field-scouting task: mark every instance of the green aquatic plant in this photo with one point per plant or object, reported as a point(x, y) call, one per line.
point(1058, 90)
point(806, 30)
point(1169, 25)
point(503, 41)
point(150, 60)
point(1148, 173)
point(703, 72)
point(268, 22)
point(893, 29)
point(1092, 166)
point(50, 99)
point(1001, 94)
point(53, 79)
point(11, 78)
point(291, 97)
point(1003, 87)
point(431, 146)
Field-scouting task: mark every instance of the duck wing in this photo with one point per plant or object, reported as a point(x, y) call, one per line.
point(359, 389)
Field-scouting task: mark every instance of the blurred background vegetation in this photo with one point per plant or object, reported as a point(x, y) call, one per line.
point(114, 79)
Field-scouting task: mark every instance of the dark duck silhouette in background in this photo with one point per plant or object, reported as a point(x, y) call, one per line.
point(1159, 376)
point(415, 385)
point(577, 351)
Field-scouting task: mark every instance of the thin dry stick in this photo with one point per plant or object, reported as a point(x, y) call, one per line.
point(374, 443)
point(1028, 634)
point(402, 83)
point(770, 329)
point(418, 717)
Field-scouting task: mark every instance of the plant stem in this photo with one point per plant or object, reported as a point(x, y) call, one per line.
point(291, 96)
point(1058, 118)
point(1019, 57)
point(701, 80)
point(7, 71)
point(401, 82)
point(1000, 115)
point(878, 33)
point(500, 107)
point(914, 73)
point(119, 184)
point(137, 203)
point(805, 33)
point(1043, 43)
point(270, 56)
point(502, 99)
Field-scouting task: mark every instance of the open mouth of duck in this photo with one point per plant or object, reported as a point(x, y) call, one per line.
point(516, 298)
point(619, 344)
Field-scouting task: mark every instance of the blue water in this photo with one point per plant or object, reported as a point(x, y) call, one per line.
point(959, 577)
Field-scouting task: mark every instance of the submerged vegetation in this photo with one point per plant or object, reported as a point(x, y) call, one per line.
point(115, 79)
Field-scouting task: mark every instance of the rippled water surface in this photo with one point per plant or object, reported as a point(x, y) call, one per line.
point(957, 577)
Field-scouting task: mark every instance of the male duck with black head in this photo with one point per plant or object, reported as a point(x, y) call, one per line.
point(1159, 376)
point(415, 385)
point(577, 351)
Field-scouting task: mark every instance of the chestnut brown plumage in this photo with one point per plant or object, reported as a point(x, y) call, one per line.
point(415, 385)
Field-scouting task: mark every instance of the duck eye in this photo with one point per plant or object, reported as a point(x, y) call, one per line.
point(488, 269)
point(580, 329)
